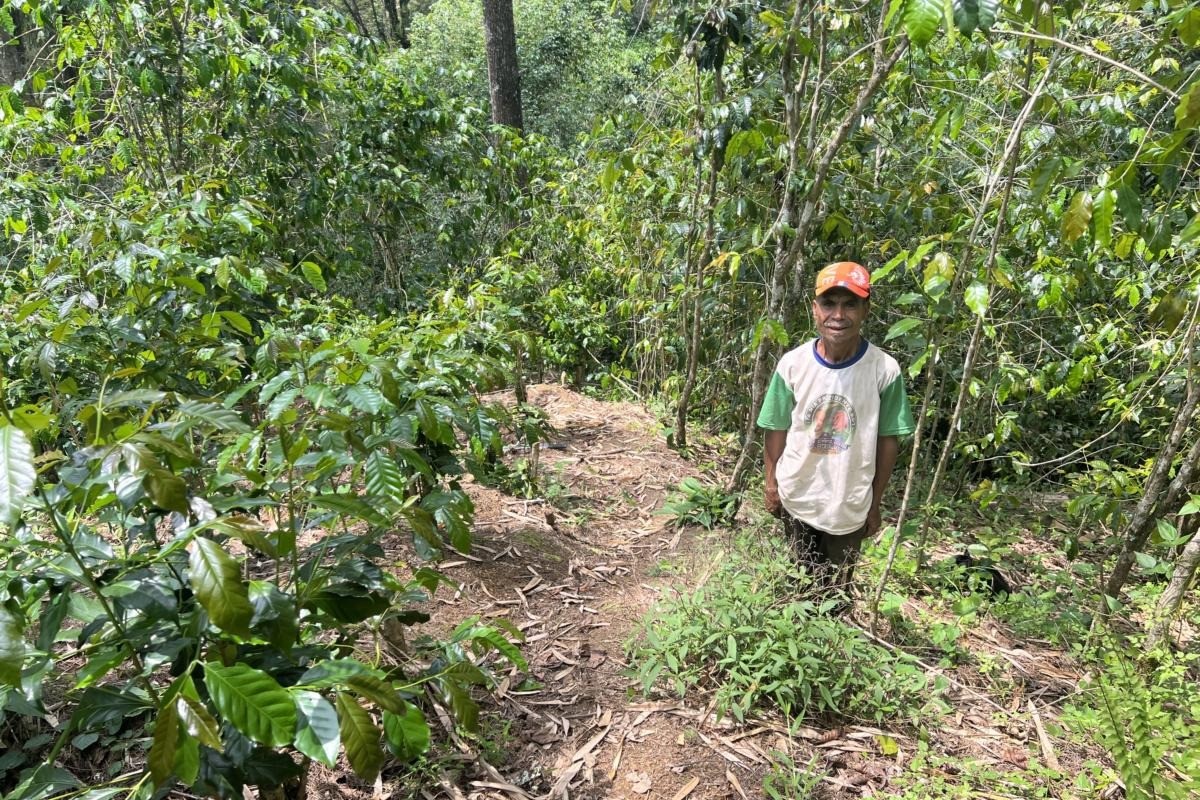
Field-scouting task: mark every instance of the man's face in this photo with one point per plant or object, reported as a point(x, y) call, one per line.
point(840, 314)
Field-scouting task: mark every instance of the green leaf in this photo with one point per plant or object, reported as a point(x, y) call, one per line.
point(1145, 560)
point(198, 723)
point(1164, 532)
point(407, 733)
point(921, 20)
point(977, 298)
point(282, 402)
point(219, 417)
point(17, 473)
point(1044, 174)
point(384, 478)
point(363, 741)
point(1190, 231)
point(187, 760)
point(1078, 216)
point(250, 530)
point(51, 621)
point(134, 397)
point(939, 274)
point(44, 782)
point(333, 673)
point(12, 647)
point(31, 418)
point(367, 399)
point(465, 709)
point(274, 615)
point(166, 490)
point(99, 664)
point(495, 640)
point(1187, 113)
point(966, 16)
point(238, 321)
point(379, 691)
point(989, 12)
point(312, 274)
point(317, 734)
point(901, 327)
point(252, 702)
point(161, 758)
point(1189, 27)
point(216, 579)
point(352, 507)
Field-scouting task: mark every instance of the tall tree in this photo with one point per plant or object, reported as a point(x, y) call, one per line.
point(15, 53)
point(504, 75)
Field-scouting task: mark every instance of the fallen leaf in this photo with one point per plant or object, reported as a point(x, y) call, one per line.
point(639, 782)
point(687, 789)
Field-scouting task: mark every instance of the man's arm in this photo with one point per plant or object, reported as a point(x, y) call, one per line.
point(887, 448)
point(773, 444)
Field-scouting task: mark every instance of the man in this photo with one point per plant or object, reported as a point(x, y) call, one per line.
point(833, 417)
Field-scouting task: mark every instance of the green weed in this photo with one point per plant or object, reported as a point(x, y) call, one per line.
point(752, 637)
point(933, 776)
point(707, 506)
point(786, 780)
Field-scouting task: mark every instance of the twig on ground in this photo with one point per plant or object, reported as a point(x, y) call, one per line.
point(1043, 739)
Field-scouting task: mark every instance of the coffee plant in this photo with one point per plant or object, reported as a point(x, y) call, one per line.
point(203, 568)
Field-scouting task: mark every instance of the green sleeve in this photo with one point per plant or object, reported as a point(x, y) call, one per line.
point(895, 417)
point(776, 414)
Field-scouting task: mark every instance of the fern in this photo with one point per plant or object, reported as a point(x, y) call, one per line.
point(1143, 720)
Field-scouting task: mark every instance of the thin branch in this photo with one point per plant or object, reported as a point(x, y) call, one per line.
point(1090, 53)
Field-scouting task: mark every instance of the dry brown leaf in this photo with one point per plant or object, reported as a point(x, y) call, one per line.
point(639, 782)
point(687, 788)
point(736, 784)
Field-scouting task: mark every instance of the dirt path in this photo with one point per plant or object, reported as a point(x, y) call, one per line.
point(576, 583)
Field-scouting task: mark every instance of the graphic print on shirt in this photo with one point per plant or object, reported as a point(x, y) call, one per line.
point(831, 421)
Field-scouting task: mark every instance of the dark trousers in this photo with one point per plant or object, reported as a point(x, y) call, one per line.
point(828, 558)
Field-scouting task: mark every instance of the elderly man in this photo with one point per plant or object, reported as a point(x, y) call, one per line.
point(833, 415)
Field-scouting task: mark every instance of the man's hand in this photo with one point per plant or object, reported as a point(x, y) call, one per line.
point(773, 444)
point(771, 499)
point(874, 520)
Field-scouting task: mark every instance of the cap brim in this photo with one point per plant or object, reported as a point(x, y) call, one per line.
point(856, 290)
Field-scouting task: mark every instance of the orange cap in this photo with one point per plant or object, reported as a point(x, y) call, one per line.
point(847, 275)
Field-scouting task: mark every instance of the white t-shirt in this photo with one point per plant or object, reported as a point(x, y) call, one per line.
point(833, 413)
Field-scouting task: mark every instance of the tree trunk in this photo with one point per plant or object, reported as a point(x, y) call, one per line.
point(778, 287)
point(909, 482)
point(504, 75)
point(405, 23)
point(705, 257)
point(393, 15)
point(355, 14)
point(1154, 504)
point(14, 58)
point(1172, 597)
